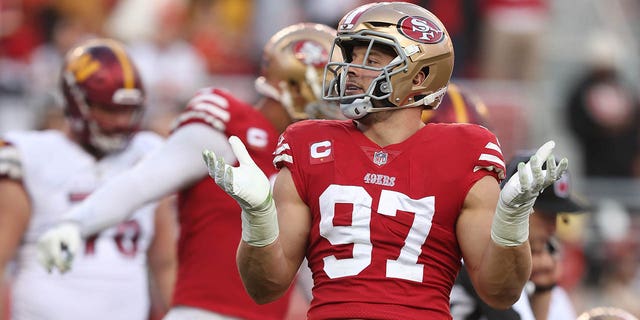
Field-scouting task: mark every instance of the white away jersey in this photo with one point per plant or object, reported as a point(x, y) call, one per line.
point(109, 277)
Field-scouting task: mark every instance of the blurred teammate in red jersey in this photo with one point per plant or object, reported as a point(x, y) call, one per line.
point(382, 205)
point(208, 285)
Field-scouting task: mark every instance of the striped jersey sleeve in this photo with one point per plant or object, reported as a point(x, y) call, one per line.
point(209, 106)
point(283, 156)
point(491, 158)
point(10, 162)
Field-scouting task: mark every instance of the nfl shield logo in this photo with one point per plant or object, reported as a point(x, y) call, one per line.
point(380, 158)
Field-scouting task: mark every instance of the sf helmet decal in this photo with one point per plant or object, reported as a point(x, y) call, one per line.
point(420, 29)
point(311, 53)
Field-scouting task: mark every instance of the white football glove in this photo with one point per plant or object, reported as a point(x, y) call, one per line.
point(58, 246)
point(510, 225)
point(250, 187)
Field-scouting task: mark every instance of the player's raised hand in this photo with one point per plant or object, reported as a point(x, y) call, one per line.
point(245, 183)
point(251, 188)
point(58, 246)
point(531, 179)
point(511, 221)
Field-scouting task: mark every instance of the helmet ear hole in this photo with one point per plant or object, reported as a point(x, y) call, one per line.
point(426, 70)
point(421, 76)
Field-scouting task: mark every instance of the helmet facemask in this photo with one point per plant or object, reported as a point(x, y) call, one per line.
point(377, 96)
point(417, 77)
point(90, 131)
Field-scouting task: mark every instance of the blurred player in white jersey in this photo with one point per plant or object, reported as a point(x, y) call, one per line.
point(208, 285)
point(43, 174)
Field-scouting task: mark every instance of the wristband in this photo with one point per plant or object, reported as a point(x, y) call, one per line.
point(510, 225)
point(260, 224)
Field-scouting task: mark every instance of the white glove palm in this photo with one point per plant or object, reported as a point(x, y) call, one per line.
point(511, 221)
point(531, 180)
point(250, 187)
point(245, 183)
point(58, 246)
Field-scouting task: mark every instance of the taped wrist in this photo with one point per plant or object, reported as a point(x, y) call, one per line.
point(510, 225)
point(260, 224)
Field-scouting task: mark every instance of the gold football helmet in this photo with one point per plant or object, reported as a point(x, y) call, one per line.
point(293, 62)
point(421, 43)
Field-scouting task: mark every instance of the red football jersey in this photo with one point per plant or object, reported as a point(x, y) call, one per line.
point(210, 225)
point(382, 243)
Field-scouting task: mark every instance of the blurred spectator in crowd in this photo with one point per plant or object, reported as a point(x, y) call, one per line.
point(511, 38)
point(20, 28)
point(20, 32)
point(33, 37)
point(462, 20)
point(15, 111)
point(613, 253)
point(542, 298)
point(44, 67)
point(603, 114)
point(92, 14)
point(215, 25)
point(172, 68)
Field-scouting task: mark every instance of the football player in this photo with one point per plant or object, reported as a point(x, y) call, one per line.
point(43, 174)
point(208, 285)
point(382, 206)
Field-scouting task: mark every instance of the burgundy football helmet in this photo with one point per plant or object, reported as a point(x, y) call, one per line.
point(99, 72)
point(458, 106)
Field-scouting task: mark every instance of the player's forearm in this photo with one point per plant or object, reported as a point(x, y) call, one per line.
point(98, 211)
point(163, 277)
point(265, 271)
point(503, 274)
point(174, 166)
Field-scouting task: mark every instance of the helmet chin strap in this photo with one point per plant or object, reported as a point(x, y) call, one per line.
point(266, 89)
point(105, 143)
point(360, 107)
point(357, 109)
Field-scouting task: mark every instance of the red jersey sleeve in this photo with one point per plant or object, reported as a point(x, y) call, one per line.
point(284, 156)
point(209, 106)
point(490, 156)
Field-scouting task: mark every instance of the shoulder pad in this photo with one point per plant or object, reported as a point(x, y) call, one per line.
point(10, 161)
